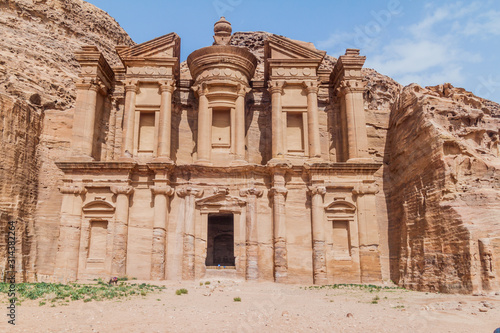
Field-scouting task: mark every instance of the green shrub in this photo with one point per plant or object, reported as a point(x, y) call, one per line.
point(237, 299)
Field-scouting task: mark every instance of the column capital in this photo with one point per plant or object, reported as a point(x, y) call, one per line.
point(315, 189)
point(73, 189)
point(251, 191)
point(275, 86)
point(351, 86)
point(278, 190)
point(189, 190)
point(131, 85)
point(311, 87)
point(167, 86)
point(362, 189)
point(242, 90)
point(201, 89)
point(162, 190)
point(122, 189)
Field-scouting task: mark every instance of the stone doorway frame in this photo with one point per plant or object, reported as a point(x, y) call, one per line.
point(212, 218)
point(220, 203)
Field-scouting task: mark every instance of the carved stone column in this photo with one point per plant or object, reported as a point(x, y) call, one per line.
point(69, 232)
point(369, 254)
point(318, 234)
point(278, 193)
point(164, 134)
point(276, 90)
point(189, 194)
point(85, 113)
point(158, 256)
point(312, 119)
point(120, 237)
point(351, 94)
point(129, 118)
point(252, 247)
point(240, 124)
point(204, 127)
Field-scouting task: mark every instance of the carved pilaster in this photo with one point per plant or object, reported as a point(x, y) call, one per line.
point(252, 248)
point(69, 232)
point(165, 121)
point(204, 140)
point(278, 194)
point(189, 194)
point(276, 90)
point(131, 89)
point(312, 88)
point(368, 232)
point(318, 234)
point(120, 237)
point(160, 222)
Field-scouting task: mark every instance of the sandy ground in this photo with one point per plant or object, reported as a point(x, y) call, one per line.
point(264, 307)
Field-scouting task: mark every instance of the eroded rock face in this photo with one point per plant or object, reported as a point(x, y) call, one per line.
point(37, 61)
point(20, 128)
point(443, 189)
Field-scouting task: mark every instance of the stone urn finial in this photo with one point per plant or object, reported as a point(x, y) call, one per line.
point(222, 32)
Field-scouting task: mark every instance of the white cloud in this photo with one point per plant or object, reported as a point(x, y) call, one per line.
point(486, 23)
point(431, 52)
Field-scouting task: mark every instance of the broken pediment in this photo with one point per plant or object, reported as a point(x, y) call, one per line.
point(291, 60)
point(164, 47)
point(277, 47)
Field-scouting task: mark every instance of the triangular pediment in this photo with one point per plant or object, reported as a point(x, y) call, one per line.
point(220, 199)
point(279, 48)
point(167, 46)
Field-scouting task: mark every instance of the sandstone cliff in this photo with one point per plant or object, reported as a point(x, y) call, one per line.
point(443, 190)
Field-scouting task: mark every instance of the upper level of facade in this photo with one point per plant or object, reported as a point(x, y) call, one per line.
point(218, 111)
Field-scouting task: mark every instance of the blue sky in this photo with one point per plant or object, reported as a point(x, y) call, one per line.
point(427, 42)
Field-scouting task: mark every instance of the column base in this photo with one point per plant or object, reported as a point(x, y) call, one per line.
point(162, 159)
point(238, 163)
point(279, 162)
point(125, 159)
point(360, 160)
point(79, 158)
point(203, 162)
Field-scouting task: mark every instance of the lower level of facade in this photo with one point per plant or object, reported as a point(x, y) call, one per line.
point(313, 223)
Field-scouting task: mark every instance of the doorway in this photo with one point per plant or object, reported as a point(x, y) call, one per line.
point(220, 240)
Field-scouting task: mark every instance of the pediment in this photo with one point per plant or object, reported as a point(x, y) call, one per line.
point(281, 48)
point(99, 206)
point(163, 47)
point(221, 199)
point(340, 207)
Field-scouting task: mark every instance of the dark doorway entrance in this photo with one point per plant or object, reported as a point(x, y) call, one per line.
point(220, 242)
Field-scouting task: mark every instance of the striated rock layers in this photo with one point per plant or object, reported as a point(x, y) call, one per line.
point(20, 129)
point(438, 206)
point(443, 190)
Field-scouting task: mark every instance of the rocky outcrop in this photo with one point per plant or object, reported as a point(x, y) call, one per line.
point(443, 190)
point(39, 39)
